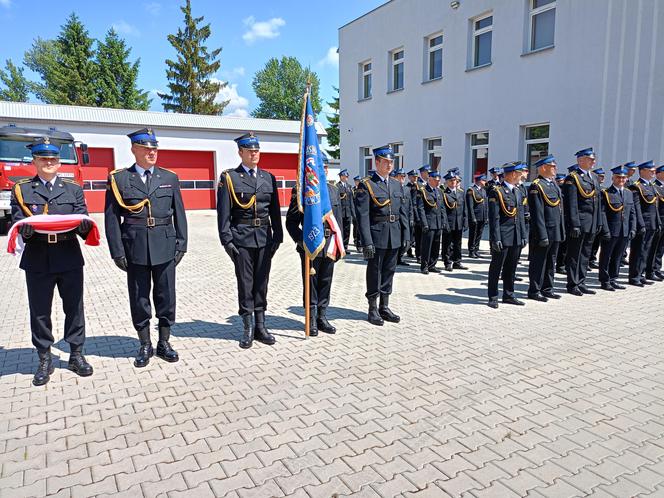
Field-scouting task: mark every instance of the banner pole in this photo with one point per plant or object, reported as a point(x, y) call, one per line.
point(307, 294)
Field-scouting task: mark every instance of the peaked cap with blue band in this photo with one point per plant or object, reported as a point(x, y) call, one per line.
point(647, 165)
point(42, 147)
point(412, 172)
point(545, 160)
point(620, 170)
point(358, 178)
point(516, 166)
point(385, 152)
point(660, 170)
point(144, 137)
point(599, 171)
point(424, 168)
point(434, 174)
point(630, 165)
point(344, 172)
point(248, 141)
point(585, 152)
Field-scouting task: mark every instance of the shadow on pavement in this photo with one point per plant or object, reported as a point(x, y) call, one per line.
point(24, 361)
point(333, 313)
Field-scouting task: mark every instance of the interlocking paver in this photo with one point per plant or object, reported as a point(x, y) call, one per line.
point(484, 403)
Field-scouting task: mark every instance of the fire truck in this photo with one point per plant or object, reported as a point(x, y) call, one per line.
point(15, 161)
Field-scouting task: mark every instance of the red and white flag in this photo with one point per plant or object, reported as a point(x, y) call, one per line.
point(50, 224)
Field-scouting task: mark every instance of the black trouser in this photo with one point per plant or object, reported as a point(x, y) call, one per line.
point(610, 256)
point(562, 254)
point(576, 261)
point(593, 252)
point(430, 249)
point(356, 234)
point(659, 252)
point(542, 267)
point(41, 287)
point(346, 223)
point(638, 254)
point(475, 230)
point(140, 279)
point(651, 264)
point(380, 272)
point(252, 271)
point(451, 246)
point(321, 281)
point(503, 262)
point(418, 240)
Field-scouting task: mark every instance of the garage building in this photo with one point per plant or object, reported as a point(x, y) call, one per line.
point(198, 148)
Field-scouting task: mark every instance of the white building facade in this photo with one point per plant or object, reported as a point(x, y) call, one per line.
point(477, 83)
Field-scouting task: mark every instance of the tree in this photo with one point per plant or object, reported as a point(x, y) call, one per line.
point(66, 66)
point(16, 86)
point(116, 83)
point(280, 86)
point(192, 88)
point(333, 129)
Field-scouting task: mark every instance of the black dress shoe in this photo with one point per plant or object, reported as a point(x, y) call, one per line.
point(325, 326)
point(654, 278)
point(424, 271)
point(513, 300)
point(575, 292)
point(660, 274)
point(448, 267)
point(538, 297)
point(402, 263)
point(79, 365)
point(647, 282)
point(636, 283)
point(493, 303)
point(551, 295)
point(617, 286)
point(145, 352)
point(374, 317)
point(247, 333)
point(166, 352)
point(313, 330)
point(459, 266)
point(586, 290)
point(261, 334)
point(44, 370)
point(607, 287)
point(434, 269)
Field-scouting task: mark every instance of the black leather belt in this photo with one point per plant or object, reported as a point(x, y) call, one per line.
point(254, 222)
point(393, 218)
point(148, 222)
point(52, 238)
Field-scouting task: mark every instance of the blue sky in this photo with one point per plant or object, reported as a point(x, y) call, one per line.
point(249, 32)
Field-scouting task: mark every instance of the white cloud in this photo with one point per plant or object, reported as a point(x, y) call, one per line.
point(6, 3)
point(237, 107)
point(331, 58)
point(124, 28)
point(153, 8)
point(236, 72)
point(262, 30)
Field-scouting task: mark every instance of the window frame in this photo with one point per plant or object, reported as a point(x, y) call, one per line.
point(364, 74)
point(430, 152)
point(392, 67)
point(472, 148)
point(534, 12)
point(366, 154)
point(429, 50)
point(532, 172)
point(475, 33)
point(397, 148)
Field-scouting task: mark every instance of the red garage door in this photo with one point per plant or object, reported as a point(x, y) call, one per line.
point(284, 168)
point(102, 162)
point(195, 168)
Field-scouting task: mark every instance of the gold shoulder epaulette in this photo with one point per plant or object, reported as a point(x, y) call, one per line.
point(115, 171)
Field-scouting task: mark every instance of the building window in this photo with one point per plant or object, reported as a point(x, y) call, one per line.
point(396, 68)
point(542, 23)
point(435, 57)
point(365, 80)
point(366, 160)
point(479, 152)
point(434, 152)
point(398, 155)
point(537, 146)
point(482, 30)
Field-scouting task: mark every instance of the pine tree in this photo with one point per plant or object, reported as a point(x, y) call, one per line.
point(192, 87)
point(66, 66)
point(116, 77)
point(333, 129)
point(280, 86)
point(16, 86)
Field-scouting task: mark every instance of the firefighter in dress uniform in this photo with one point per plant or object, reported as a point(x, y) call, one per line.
point(658, 248)
point(146, 228)
point(347, 208)
point(249, 224)
point(52, 260)
point(593, 262)
point(477, 209)
point(400, 176)
point(383, 220)
point(433, 217)
point(547, 230)
point(618, 228)
point(356, 231)
point(507, 234)
point(422, 180)
point(457, 222)
point(413, 186)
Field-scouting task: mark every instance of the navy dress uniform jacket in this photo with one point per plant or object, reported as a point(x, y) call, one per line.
point(128, 233)
point(66, 197)
point(454, 204)
point(345, 194)
point(430, 207)
point(381, 213)
point(582, 202)
point(507, 222)
point(476, 204)
point(546, 211)
point(237, 224)
point(646, 199)
point(619, 212)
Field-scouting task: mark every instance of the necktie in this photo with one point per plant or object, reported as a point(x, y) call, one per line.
point(49, 186)
point(252, 173)
point(621, 194)
point(148, 177)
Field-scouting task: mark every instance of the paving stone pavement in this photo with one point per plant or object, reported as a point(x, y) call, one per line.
point(558, 399)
